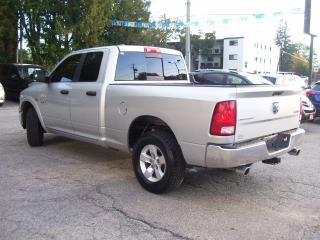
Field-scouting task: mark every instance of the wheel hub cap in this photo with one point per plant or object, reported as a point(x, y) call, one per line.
point(152, 163)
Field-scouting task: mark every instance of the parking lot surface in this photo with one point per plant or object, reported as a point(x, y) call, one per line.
point(73, 190)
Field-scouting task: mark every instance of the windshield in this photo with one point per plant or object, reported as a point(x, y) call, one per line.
point(32, 72)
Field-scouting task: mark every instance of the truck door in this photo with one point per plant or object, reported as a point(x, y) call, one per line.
point(85, 96)
point(55, 101)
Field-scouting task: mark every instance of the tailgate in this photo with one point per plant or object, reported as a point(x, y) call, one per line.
point(266, 110)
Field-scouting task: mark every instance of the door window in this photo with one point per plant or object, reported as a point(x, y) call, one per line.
point(215, 78)
point(65, 72)
point(233, 80)
point(91, 67)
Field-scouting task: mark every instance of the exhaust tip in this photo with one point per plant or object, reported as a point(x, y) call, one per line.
point(243, 170)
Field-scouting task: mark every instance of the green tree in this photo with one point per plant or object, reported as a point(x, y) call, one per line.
point(300, 65)
point(283, 40)
point(54, 28)
point(8, 30)
point(133, 10)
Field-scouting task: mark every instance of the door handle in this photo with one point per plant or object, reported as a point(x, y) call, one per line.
point(91, 93)
point(64, 91)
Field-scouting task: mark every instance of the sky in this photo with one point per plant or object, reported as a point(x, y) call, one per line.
point(218, 10)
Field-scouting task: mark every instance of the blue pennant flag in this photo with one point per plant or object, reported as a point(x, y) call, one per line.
point(296, 10)
point(226, 21)
point(259, 16)
point(138, 24)
point(152, 25)
point(180, 24)
point(277, 14)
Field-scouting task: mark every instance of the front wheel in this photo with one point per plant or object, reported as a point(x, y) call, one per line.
point(34, 128)
point(158, 162)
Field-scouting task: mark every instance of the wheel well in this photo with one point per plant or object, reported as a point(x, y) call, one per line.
point(145, 124)
point(24, 109)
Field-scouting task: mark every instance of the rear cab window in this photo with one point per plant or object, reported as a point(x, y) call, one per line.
point(145, 66)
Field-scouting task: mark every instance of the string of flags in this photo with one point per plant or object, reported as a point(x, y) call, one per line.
point(180, 24)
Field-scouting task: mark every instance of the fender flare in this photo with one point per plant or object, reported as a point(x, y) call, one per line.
point(34, 104)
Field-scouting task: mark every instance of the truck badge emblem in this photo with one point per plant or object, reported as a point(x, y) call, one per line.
point(275, 107)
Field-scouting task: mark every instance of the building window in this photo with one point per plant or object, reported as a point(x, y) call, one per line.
point(270, 48)
point(216, 65)
point(256, 59)
point(233, 57)
point(217, 51)
point(233, 43)
point(210, 59)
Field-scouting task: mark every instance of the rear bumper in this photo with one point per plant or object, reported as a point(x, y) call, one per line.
point(222, 157)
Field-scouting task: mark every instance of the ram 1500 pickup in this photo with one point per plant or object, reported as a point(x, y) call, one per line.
point(141, 100)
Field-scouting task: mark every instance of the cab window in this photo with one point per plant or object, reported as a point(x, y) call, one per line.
point(91, 67)
point(133, 66)
point(65, 72)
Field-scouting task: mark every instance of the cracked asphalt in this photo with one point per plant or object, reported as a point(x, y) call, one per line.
point(73, 190)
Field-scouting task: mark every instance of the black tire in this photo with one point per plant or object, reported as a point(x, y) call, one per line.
point(34, 129)
point(175, 165)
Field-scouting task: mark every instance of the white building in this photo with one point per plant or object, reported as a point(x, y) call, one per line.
point(242, 54)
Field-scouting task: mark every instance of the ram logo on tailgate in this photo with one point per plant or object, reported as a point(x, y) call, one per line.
point(275, 107)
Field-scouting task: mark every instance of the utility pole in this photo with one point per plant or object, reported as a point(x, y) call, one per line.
point(188, 55)
point(311, 60)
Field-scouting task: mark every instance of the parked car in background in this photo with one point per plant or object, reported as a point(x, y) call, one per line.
point(286, 79)
point(17, 77)
point(314, 96)
point(308, 110)
point(227, 77)
point(2, 95)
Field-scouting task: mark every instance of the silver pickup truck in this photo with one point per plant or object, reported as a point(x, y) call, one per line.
point(141, 100)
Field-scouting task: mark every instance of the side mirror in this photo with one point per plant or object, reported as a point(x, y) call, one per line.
point(43, 79)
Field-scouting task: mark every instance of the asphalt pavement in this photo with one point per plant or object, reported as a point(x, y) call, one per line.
point(69, 190)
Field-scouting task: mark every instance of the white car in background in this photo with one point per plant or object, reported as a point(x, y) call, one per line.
point(286, 80)
point(2, 95)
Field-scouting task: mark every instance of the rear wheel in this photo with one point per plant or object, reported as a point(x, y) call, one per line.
point(34, 128)
point(158, 162)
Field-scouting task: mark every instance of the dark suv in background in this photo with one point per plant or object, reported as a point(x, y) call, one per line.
point(16, 77)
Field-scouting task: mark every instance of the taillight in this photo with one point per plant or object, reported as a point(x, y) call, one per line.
point(224, 118)
point(310, 93)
